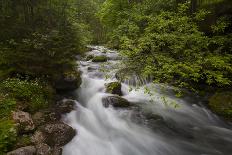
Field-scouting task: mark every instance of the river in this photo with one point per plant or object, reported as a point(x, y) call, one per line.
point(149, 128)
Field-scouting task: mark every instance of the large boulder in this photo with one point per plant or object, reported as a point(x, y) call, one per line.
point(28, 150)
point(100, 58)
point(221, 103)
point(39, 139)
point(23, 121)
point(114, 88)
point(115, 101)
point(57, 134)
point(65, 106)
point(69, 81)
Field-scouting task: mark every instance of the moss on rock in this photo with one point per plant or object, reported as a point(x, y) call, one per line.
point(221, 103)
point(100, 58)
point(114, 88)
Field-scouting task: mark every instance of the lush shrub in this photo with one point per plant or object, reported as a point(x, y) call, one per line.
point(7, 135)
point(168, 44)
point(6, 106)
point(32, 93)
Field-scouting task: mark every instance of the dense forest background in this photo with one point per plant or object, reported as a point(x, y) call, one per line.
point(187, 44)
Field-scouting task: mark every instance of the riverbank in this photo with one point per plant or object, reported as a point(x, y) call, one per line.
point(31, 112)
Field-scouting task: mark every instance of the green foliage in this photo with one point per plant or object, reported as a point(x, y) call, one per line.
point(168, 44)
point(41, 39)
point(31, 93)
point(220, 26)
point(23, 140)
point(6, 106)
point(7, 135)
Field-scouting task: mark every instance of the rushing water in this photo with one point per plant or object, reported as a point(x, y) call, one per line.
point(149, 128)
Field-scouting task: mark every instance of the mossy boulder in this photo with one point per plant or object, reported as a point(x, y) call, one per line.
point(100, 58)
point(69, 81)
point(115, 101)
point(221, 103)
point(114, 88)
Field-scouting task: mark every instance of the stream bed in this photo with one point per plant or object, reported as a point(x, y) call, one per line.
point(149, 128)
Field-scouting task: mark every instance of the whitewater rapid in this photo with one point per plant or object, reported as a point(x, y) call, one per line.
point(186, 129)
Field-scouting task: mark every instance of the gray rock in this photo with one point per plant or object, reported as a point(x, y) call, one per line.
point(115, 101)
point(65, 106)
point(38, 137)
point(28, 150)
point(39, 118)
point(24, 121)
point(45, 116)
point(43, 149)
point(57, 134)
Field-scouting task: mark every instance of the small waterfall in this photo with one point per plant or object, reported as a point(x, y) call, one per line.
point(150, 127)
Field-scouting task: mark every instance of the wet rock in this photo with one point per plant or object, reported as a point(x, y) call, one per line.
point(100, 58)
point(43, 149)
point(152, 116)
point(115, 101)
point(28, 150)
point(114, 88)
point(92, 68)
point(144, 117)
point(58, 134)
point(24, 121)
point(65, 106)
point(69, 81)
point(89, 57)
